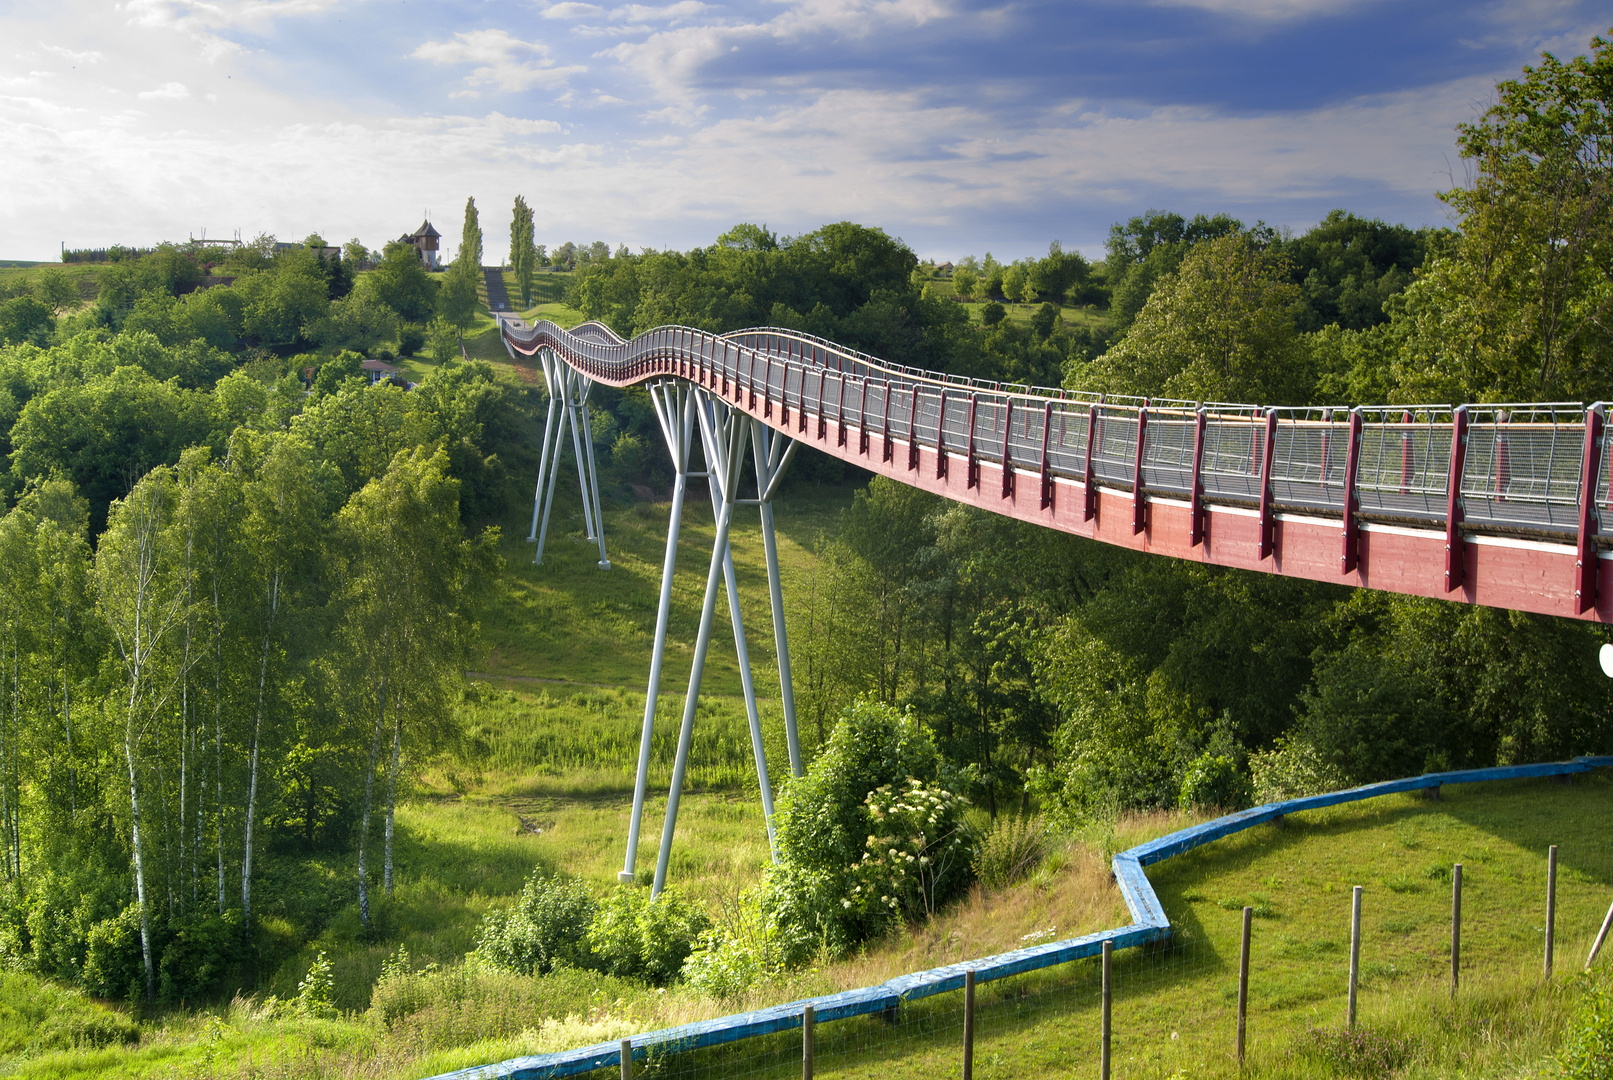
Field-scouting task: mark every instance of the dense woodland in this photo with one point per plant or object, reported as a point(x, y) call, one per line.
point(235, 609)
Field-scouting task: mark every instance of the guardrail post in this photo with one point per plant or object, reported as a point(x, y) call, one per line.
point(941, 437)
point(1405, 455)
point(1139, 508)
point(1243, 983)
point(1108, 998)
point(1267, 516)
point(1351, 533)
point(823, 382)
point(862, 414)
point(767, 388)
point(840, 413)
point(1094, 433)
point(968, 1024)
point(1551, 905)
point(1456, 927)
point(913, 432)
point(1047, 470)
point(1008, 457)
point(1355, 952)
point(885, 424)
point(1585, 561)
point(973, 469)
point(1454, 548)
point(1196, 488)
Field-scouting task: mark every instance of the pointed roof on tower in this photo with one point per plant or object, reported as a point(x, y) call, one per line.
point(425, 229)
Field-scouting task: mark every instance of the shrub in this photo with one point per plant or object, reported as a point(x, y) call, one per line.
point(1214, 780)
point(918, 855)
point(411, 339)
point(824, 822)
point(634, 936)
point(314, 992)
point(629, 453)
point(1007, 851)
point(1291, 770)
point(1587, 1052)
point(113, 966)
point(201, 950)
point(992, 314)
point(548, 924)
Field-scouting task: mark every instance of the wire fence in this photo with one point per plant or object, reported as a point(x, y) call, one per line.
point(1044, 1002)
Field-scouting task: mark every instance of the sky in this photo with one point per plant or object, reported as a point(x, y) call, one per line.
point(961, 126)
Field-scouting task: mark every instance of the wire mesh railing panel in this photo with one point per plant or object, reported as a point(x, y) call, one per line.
point(1308, 459)
point(1168, 452)
point(1523, 468)
point(1025, 436)
point(1067, 441)
point(927, 423)
point(1114, 453)
point(834, 394)
point(955, 423)
point(901, 414)
point(1234, 447)
point(988, 430)
point(1404, 468)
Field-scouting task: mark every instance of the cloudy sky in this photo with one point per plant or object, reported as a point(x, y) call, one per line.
point(959, 125)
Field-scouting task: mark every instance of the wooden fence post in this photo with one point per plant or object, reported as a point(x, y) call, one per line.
point(1456, 927)
point(1355, 950)
point(1243, 983)
point(1103, 1053)
point(627, 1059)
point(1551, 905)
point(968, 1025)
point(809, 1023)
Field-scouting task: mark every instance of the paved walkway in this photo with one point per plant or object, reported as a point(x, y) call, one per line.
point(498, 299)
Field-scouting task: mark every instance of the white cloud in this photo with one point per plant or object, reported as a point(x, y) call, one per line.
point(1267, 10)
point(173, 91)
point(572, 10)
point(642, 13)
point(503, 61)
point(208, 21)
point(89, 56)
point(671, 59)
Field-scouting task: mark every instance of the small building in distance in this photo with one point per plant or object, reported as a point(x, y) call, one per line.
point(424, 240)
point(378, 371)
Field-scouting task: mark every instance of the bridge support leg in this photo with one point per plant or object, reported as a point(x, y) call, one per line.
point(720, 431)
point(568, 408)
point(674, 408)
point(773, 454)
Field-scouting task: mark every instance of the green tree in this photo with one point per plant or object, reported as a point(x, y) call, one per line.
point(402, 283)
point(143, 602)
point(1014, 284)
point(1520, 308)
point(524, 257)
point(964, 282)
point(470, 240)
point(56, 289)
point(1220, 328)
point(407, 578)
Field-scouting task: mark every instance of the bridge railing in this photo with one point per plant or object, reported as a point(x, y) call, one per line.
point(1519, 468)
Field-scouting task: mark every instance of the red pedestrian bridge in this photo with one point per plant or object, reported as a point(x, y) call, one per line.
point(1492, 504)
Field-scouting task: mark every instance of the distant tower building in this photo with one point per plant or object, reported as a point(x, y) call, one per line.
point(424, 239)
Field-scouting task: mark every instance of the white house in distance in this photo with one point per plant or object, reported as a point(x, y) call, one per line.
point(378, 371)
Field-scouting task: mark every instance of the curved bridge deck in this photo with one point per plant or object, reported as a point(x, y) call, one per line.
point(1500, 505)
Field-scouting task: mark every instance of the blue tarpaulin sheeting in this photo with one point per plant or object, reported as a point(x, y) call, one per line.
point(1149, 924)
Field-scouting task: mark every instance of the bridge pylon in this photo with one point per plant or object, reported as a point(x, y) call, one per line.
point(726, 433)
point(568, 409)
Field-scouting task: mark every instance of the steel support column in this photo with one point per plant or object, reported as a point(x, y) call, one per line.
point(568, 408)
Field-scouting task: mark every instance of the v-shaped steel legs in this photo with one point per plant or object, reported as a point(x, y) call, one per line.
point(724, 432)
point(568, 408)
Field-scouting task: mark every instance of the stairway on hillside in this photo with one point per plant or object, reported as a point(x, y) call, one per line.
point(498, 298)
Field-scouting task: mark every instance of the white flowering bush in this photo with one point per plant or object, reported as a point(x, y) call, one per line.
point(918, 855)
point(872, 834)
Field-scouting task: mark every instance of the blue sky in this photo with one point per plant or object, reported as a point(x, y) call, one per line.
point(960, 125)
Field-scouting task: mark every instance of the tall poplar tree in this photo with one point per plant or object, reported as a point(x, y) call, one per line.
point(523, 252)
